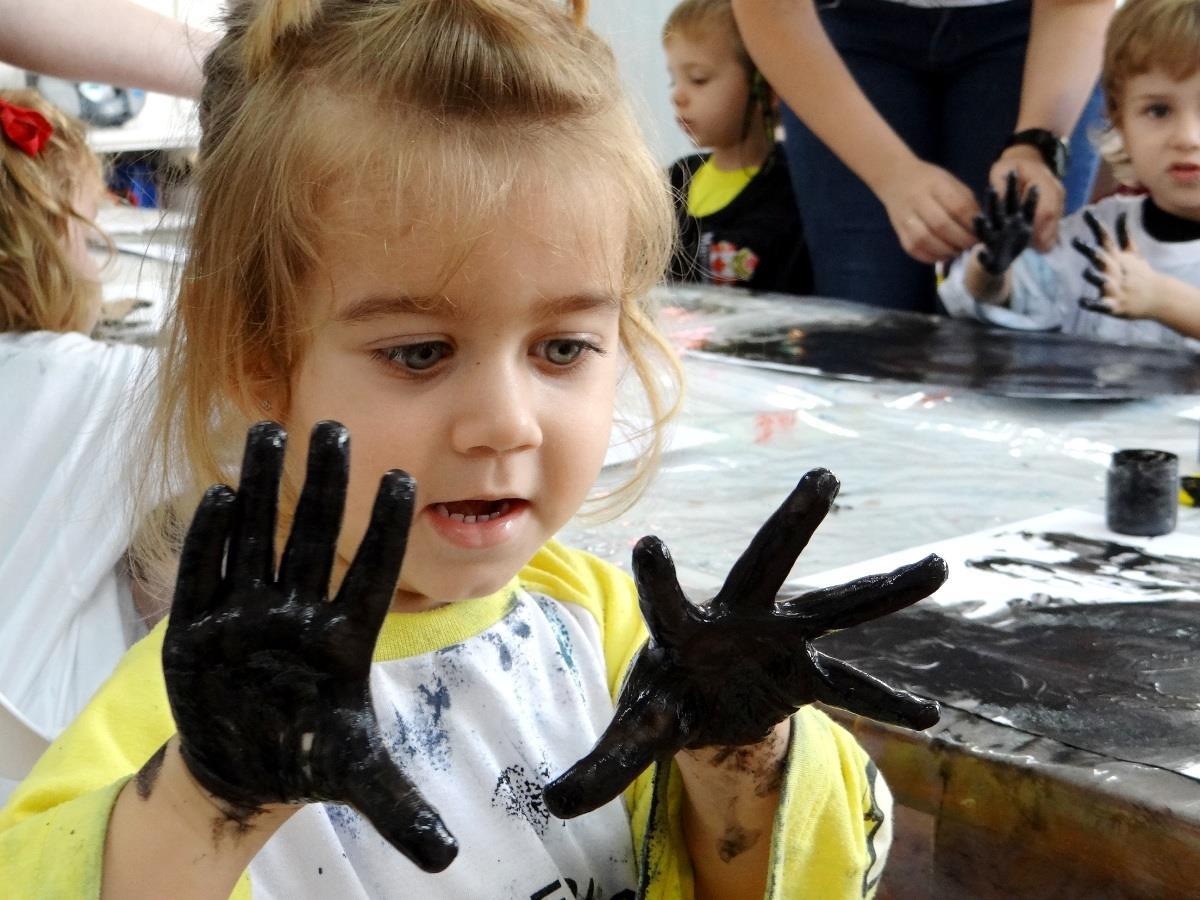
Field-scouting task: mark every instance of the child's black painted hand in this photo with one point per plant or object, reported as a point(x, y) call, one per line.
point(725, 674)
point(1128, 286)
point(268, 678)
point(1006, 232)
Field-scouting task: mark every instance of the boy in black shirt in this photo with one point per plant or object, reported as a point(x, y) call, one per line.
point(738, 222)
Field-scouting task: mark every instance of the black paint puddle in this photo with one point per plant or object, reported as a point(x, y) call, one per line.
point(959, 353)
point(1097, 560)
point(1121, 679)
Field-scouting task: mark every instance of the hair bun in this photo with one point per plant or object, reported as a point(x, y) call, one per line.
point(274, 20)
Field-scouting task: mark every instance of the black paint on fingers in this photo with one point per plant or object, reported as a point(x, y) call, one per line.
point(1088, 253)
point(726, 674)
point(268, 682)
point(758, 574)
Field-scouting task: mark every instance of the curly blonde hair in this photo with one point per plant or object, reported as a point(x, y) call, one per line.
point(464, 100)
point(41, 287)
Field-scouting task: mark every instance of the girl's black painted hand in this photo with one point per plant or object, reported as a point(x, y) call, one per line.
point(268, 678)
point(727, 673)
point(1006, 232)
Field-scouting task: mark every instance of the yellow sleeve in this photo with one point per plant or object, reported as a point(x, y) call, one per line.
point(53, 828)
point(833, 827)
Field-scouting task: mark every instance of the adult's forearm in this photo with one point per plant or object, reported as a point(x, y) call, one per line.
point(791, 49)
point(1062, 62)
point(115, 41)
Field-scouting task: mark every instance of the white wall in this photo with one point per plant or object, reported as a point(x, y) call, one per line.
point(633, 28)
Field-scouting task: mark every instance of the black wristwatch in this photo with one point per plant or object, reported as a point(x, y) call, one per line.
point(1047, 143)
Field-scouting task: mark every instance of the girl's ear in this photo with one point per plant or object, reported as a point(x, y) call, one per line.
point(262, 397)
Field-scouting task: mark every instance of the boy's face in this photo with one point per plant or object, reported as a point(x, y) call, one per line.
point(709, 87)
point(1160, 125)
point(483, 387)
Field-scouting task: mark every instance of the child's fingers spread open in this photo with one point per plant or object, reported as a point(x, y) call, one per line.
point(252, 546)
point(199, 581)
point(1095, 279)
point(1099, 232)
point(370, 583)
point(867, 598)
point(401, 815)
point(312, 544)
point(756, 577)
point(1124, 241)
point(1088, 252)
point(664, 606)
point(848, 688)
point(645, 727)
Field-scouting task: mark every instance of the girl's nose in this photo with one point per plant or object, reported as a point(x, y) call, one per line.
point(678, 97)
point(497, 412)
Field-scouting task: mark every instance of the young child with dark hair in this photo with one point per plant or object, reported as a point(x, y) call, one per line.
point(1125, 269)
point(738, 223)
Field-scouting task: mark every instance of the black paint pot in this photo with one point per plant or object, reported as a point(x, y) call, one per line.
point(1143, 492)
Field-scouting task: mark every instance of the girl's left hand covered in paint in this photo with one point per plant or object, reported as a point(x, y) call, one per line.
point(725, 674)
point(267, 677)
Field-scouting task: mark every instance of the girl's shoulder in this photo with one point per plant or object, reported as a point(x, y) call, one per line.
point(574, 576)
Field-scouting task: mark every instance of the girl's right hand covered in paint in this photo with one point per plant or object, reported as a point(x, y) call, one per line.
point(267, 677)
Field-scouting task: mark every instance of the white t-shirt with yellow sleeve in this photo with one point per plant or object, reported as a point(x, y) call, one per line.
point(482, 703)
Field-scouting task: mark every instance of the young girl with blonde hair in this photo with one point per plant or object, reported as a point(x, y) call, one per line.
point(436, 222)
point(65, 605)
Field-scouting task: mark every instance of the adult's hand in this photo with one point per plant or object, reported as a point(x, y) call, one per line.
point(1031, 171)
point(724, 675)
point(931, 210)
point(268, 678)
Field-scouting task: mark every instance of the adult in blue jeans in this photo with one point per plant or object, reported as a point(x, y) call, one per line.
point(900, 113)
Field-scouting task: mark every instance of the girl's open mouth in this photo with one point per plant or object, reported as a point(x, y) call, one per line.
point(472, 511)
point(476, 524)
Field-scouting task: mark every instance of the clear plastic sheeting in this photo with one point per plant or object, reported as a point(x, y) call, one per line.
point(986, 808)
point(918, 463)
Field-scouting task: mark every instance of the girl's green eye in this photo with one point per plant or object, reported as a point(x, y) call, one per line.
point(562, 353)
point(418, 357)
point(565, 351)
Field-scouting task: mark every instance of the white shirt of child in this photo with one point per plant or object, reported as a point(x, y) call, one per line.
point(1046, 287)
point(65, 610)
point(480, 727)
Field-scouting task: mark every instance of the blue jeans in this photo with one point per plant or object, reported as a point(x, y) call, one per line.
point(948, 81)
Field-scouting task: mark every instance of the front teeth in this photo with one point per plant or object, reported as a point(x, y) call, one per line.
point(443, 510)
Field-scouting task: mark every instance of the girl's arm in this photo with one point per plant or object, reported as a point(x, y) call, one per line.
point(116, 41)
point(929, 208)
point(731, 796)
point(1062, 63)
point(168, 837)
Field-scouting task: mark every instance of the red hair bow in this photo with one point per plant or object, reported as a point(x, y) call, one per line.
point(25, 129)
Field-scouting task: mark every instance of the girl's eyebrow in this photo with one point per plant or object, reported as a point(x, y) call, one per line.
point(403, 304)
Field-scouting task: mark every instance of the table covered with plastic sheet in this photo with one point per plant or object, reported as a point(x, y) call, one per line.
point(995, 800)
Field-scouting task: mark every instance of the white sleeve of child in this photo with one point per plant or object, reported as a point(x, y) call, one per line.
point(1033, 305)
